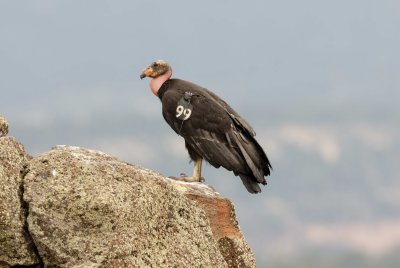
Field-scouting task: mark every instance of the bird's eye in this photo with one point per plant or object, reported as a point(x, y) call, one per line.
point(155, 64)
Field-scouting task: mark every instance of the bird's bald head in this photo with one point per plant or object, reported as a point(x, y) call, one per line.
point(156, 69)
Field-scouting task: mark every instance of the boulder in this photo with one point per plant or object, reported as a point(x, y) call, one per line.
point(75, 207)
point(221, 215)
point(87, 209)
point(16, 247)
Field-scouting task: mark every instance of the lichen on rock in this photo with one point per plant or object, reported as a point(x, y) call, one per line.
point(220, 212)
point(3, 126)
point(75, 207)
point(16, 247)
point(89, 208)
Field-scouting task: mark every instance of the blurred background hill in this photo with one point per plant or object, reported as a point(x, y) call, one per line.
point(319, 81)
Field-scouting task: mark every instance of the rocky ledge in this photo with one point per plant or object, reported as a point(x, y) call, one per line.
point(75, 207)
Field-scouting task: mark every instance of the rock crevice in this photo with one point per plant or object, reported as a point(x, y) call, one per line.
point(16, 246)
point(25, 213)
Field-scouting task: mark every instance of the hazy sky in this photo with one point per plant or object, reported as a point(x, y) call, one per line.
point(272, 60)
point(317, 78)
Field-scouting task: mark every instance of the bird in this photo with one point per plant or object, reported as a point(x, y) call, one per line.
point(212, 130)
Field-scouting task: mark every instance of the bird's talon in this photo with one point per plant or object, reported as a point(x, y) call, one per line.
point(187, 179)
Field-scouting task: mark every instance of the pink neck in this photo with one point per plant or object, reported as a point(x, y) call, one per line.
point(157, 82)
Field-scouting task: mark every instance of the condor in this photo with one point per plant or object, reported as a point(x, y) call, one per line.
point(212, 130)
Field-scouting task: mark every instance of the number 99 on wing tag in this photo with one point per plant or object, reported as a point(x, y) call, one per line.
point(183, 113)
point(184, 108)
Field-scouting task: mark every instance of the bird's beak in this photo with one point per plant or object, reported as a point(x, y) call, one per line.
point(146, 72)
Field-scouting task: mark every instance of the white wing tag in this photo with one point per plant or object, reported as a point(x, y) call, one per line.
point(184, 108)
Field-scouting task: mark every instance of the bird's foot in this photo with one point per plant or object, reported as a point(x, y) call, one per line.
point(185, 178)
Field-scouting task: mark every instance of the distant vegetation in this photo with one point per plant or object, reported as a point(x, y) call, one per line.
point(339, 260)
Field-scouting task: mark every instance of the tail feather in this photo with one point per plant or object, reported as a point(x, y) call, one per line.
point(250, 184)
point(256, 161)
point(259, 176)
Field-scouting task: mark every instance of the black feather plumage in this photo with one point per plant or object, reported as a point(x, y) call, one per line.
point(213, 131)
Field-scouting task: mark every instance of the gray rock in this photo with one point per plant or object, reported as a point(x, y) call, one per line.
point(16, 246)
point(222, 218)
point(87, 209)
point(3, 126)
point(74, 207)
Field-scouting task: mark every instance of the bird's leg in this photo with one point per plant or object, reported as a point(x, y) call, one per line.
point(196, 173)
point(197, 170)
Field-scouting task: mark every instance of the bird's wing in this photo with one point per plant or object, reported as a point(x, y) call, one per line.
point(217, 133)
point(239, 121)
point(247, 144)
point(222, 137)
